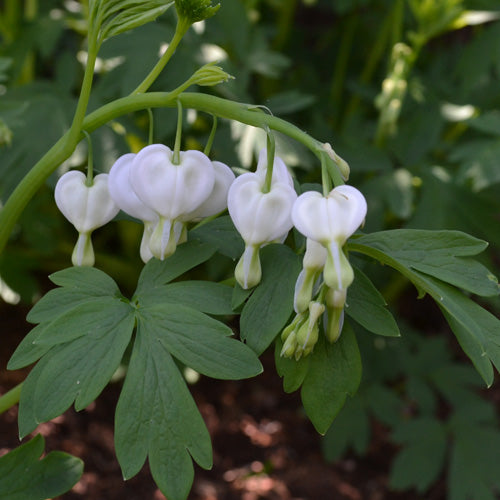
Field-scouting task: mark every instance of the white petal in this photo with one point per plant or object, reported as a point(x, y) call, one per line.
point(280, 170)
point(122, 193)
point(217, 201)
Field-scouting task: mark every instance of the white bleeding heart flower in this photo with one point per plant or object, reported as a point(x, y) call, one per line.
point(260, 218)
point(86, 207)
point(124, 196)
point(331, 220)
point(334, 321)
point(171, 190)
point(217, 201)
point(312, 266)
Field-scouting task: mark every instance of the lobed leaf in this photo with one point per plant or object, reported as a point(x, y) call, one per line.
point(199, 341)
point(366, 305)
point(24, 477)
point(156, 417)
point(334, 372)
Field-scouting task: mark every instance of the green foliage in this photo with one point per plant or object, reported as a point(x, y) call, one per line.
point(24, 477)
point(450, 426)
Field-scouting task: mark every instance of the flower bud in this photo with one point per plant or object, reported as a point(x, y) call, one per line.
point(335, 302)
point(313, 262)
point(308, 333)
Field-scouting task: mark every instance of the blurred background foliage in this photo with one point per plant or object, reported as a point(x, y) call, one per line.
point(408, 92)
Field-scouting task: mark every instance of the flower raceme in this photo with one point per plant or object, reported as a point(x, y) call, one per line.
point(260, 217)
point(327, 222)
point(87, 207)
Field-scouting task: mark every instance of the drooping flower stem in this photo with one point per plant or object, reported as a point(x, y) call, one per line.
point(210, 141)
point(151, 126)
point(176, 159)
point(271, 147)
point(90, 160)
point(64, 147)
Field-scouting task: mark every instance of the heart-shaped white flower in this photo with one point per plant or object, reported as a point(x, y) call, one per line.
point(260, 218)
point(171, 190)
point(124, 196)
point(86, 207)
point(331, 220)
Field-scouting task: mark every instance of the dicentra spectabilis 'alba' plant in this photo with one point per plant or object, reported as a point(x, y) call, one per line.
point(124, 196)
point(331, 220)
point(260, 217)
point(171, 190)
point(86, 207)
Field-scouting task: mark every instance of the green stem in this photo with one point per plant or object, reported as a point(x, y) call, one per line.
point(63, 149)
point(90, 161)
point(151, 126)
point(176, 157)
point(10, 398)
point(271, 148)
point(180, 30)
point(325, 178)
point(211, 137)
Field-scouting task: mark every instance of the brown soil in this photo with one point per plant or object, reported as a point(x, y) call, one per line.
point(264, 446)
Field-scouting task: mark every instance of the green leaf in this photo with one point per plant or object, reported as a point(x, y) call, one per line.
point(438, 254)
point(204, 296)
point(24, 477)
point(334, 372)
point(117, 16)
point(269, 307)
point(78, 285)
point(475, 328)
point(421, 460)
point(28, 351)
point(199, 341)
point(157, 417)
point(222, 234)
point(350, 429)
point(159, 272)
point(78, 369)
point(475, 455)
point(366, 305)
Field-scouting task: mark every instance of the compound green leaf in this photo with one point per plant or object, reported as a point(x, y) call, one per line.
point(199, 341)
point(269, 307)
point(366, 305)
point(334, 372)
point(28, 351)
point(473, 467)
point(76, 370)
point(24, 477)
point(421, 460)
point(156, 417)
